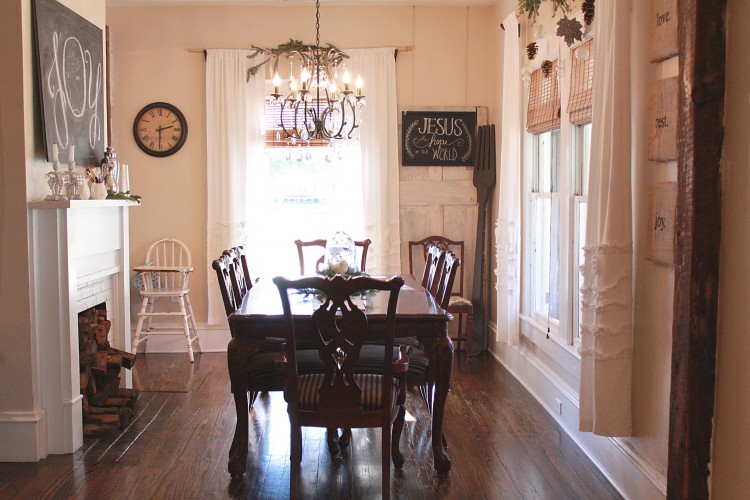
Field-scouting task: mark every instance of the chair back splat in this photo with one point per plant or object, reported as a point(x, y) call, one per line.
point(340, 397)
point(363, 246)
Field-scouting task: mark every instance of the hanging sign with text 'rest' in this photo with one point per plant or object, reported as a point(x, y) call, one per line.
point(438, 138)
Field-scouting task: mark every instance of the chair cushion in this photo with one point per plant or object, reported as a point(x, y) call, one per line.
point(371, 386)
point(262, 374)
point(458, 301)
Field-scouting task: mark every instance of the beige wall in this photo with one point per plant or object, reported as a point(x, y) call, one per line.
point(451, 65)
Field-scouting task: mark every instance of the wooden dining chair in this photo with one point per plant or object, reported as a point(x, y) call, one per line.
point(340, 397)
point(363, 247)
point(458, 304)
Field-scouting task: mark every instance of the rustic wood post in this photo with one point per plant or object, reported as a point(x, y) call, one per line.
point(698, 237)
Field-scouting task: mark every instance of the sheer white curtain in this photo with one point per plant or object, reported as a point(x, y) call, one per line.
point(234, 143)
point(508, 230)
point(378, 136)
point(607, 295)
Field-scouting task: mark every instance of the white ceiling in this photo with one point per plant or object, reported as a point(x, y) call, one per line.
point(121, 3)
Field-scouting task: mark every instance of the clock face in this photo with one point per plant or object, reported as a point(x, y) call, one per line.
point(160, 129)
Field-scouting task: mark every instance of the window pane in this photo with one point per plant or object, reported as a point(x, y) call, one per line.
point(547, 172)
point(306, 197)
point(546, 257)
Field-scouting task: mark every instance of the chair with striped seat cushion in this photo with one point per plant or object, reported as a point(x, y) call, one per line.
point(340, 396)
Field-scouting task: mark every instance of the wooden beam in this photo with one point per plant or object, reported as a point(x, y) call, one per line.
point(698, 238)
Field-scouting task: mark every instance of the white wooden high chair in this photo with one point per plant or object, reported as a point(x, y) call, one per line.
point(166, 275)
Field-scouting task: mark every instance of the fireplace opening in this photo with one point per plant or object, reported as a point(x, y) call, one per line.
point(107, 407)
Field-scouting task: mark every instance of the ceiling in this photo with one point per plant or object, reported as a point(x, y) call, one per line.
point(121, 3)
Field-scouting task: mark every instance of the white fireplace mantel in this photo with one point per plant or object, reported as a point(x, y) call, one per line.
point(73, 244)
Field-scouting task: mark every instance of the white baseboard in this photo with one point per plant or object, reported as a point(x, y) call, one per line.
point(629, 473)
point(214, 338)
point(23, 435)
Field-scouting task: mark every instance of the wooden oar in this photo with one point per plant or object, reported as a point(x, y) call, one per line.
point(484, 180)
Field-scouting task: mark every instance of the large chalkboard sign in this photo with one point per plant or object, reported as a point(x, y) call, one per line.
point(438, 138)
point(70, 62)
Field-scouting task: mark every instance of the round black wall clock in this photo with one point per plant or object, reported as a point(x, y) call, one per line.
point(160, 129)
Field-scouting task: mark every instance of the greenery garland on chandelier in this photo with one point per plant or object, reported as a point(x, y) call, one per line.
point(532, 7)
point(335, 55)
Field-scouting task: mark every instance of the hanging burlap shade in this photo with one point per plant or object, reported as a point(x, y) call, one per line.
point(544, 102)
point(581, 84)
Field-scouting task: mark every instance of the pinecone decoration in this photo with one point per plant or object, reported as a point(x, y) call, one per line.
point(546, 68)
point(531, 50)
point(587, 7)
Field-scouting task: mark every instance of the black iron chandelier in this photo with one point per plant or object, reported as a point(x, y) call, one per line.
point(317, 106)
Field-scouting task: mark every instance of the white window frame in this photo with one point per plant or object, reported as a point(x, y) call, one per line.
point(558, 339)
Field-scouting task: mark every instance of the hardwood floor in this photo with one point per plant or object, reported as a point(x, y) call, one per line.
point(502, 444)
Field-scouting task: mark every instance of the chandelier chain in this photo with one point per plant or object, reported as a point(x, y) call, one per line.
point(317, 23)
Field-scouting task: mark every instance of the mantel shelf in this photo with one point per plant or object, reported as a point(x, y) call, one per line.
point(39, 204)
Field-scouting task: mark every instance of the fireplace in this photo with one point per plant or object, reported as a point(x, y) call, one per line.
point(80, 259)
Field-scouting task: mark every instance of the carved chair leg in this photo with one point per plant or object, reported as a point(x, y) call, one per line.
point(398, 427)
point(296, 444)
point(332, 438)
point(345, 438)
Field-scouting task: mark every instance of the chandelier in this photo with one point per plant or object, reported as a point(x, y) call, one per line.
point(317, 106)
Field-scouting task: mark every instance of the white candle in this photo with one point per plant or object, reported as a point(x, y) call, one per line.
point(54, 152)
point(124, 179)
point(71, 153)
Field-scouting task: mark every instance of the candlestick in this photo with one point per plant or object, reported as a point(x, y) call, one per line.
point(71, 153)
point(54, 152)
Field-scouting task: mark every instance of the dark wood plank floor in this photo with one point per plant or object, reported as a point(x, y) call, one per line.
point(502, 444)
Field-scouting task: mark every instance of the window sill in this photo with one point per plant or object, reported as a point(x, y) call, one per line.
point(565, 355)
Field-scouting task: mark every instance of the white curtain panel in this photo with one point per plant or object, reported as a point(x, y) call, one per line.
point(607, 295)
point(234, 144)
point(508, 225)
point(378, 137)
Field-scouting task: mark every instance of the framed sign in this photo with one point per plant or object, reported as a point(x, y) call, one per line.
point(438, 138)
point(662, 119)
point(663, 34)
point(71, 80)
point(662, 200)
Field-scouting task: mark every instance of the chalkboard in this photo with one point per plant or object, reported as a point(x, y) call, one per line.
point(438, 138)
point(70, 64)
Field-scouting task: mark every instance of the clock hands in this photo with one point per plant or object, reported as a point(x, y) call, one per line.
point(159, 129)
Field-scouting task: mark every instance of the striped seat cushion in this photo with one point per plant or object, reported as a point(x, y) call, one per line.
point(371, 386)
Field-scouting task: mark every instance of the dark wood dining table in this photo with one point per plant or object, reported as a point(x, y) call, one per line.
point(260, 316)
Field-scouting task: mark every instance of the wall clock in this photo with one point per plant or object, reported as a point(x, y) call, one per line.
point(160, 129)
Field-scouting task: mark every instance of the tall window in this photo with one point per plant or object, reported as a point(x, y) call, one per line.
point(555, 187)
point(310, 190)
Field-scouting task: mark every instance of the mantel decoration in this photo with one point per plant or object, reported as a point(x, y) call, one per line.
point(316, 107)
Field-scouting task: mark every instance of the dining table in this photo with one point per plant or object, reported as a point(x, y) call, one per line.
point(260, 317)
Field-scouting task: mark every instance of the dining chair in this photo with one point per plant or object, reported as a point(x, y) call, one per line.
point(458, 304)
point(166, 276)
point(341, 397)
point(363, 247)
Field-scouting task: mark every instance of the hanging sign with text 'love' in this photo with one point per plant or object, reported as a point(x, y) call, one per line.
point(438, 138)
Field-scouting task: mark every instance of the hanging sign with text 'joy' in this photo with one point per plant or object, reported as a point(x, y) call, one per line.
point(438, 138)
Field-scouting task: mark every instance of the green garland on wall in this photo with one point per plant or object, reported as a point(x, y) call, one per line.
point(532, 7)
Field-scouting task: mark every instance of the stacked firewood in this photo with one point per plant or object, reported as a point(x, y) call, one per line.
point(107, 407)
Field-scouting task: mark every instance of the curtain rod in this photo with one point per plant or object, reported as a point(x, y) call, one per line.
point(405, 48)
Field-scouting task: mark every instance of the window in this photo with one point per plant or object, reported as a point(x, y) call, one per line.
point(310, 190)
point(555, 198)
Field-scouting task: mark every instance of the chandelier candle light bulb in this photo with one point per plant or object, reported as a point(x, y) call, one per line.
point(317, 109)
point(276, 83)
